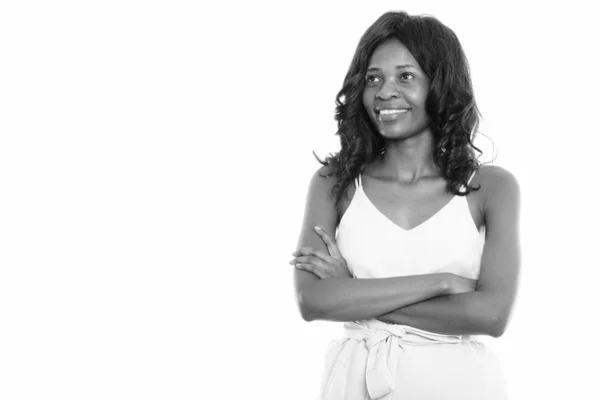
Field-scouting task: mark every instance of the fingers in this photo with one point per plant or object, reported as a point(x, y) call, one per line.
point(310, 260)
point(312, 264)
point(316, 261)
point(334, 251)
point(313, 269)
point(309, 251)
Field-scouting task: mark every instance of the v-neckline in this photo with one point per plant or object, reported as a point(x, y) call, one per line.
point(398, 226)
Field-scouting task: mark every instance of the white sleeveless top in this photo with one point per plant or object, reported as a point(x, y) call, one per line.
point(374, 357)
point(375, 247)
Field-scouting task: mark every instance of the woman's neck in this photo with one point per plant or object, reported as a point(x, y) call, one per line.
point(407, 161)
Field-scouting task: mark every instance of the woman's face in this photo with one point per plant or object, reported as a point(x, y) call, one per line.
point(395, 92)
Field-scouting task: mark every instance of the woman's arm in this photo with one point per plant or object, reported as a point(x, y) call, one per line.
point(347, 299)
point(458, 314)
point(487, 310)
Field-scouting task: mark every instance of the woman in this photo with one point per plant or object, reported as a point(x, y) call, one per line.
point(426, 255)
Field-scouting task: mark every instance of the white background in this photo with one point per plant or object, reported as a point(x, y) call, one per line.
point(154, 161)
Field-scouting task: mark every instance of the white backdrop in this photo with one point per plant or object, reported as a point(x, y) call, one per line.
point(154, 161)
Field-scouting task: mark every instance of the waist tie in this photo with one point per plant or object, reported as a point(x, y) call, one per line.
point(384, 342)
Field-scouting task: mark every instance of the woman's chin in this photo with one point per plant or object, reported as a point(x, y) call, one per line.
point(401, 132)
point(392, 132)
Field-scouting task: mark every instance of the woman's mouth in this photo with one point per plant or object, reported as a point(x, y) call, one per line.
point(389, 114)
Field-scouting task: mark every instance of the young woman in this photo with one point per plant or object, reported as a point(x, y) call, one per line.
point(426, 254)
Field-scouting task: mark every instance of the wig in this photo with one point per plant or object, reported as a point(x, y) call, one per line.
point(450, 103)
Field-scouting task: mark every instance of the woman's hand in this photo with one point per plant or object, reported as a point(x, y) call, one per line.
point(324, 266)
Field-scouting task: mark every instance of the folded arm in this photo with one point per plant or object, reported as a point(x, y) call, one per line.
point(348, 299)
point(487, 309)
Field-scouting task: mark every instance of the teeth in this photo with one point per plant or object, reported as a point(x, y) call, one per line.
point(388, 112)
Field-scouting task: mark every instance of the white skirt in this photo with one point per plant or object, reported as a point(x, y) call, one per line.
point(379, 361)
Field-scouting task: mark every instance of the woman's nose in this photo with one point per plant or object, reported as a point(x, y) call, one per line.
point(388, 91)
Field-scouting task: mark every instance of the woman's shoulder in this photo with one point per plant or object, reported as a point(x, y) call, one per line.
point(324, 179)
point(494, 181)
point(494, 176)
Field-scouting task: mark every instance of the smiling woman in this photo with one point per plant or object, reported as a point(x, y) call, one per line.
point(426, 255)
point(392, 68)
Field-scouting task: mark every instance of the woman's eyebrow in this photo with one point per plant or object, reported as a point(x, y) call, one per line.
point(404, 66)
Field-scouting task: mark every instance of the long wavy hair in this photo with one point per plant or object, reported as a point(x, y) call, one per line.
point(450, 103)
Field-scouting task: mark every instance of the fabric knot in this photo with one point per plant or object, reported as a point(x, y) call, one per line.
point(384, 345)
point(382, 363)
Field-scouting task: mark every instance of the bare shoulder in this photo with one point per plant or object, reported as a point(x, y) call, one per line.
point(323, 177)
point(500, 191)
point(320, 205)
point(323, 181)
point(496, 180)
point(495, 171)
point(321, 185)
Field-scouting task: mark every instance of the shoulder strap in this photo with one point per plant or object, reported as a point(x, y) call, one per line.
point(463, 188)
point(357, 181)
point(472, 175)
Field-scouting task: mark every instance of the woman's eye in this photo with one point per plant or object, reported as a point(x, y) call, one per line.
point(407, 76)
point(371, 79)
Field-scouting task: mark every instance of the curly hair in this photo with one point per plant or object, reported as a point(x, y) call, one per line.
point(450, 103)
